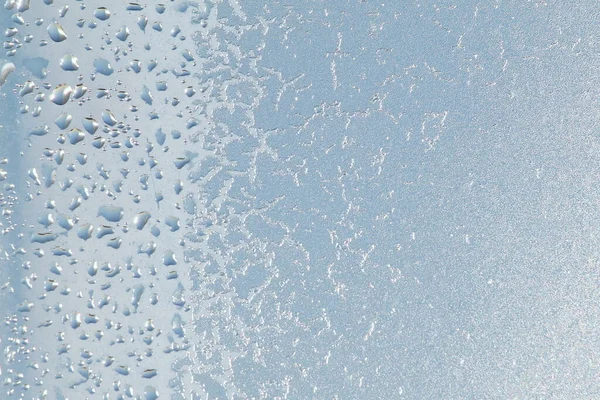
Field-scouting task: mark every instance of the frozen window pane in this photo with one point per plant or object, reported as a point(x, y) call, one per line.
point(332, 200)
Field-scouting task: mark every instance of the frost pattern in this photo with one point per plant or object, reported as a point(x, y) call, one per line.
point(310, 200)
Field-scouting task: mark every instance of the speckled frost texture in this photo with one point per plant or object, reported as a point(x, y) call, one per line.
point(299, 200)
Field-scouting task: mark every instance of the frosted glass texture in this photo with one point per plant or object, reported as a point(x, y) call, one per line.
point(299, 200)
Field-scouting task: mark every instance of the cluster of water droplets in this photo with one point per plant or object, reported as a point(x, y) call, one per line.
point(150, 245)
point(103, 97)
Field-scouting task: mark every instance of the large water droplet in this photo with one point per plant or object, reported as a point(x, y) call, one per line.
point(102, 13)
point(6, 70)
point(150, 393)
point(56, 32)
point(141, 219)
point(60, 96)
point(69, 62)
point(111, 213)
point(103, 66)
point(63, 120)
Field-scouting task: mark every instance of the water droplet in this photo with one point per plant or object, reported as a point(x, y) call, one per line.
point(172, 275)
point(6, 70)
point(18, 19)
point(80, 90)
point(63, 11)
point(187, 55)
point(142, 22)
point(81, 158)
point(43, 237)
point(69, 62)
point(76, 136)
point(65, 222)
point(123, 33)
point(102, 13)
point(23, 5)
point(104, 230)
point(181, 162)
point(123, 370)
point(60, 96)
point(46, 220)
point(141, 219)
point(90, 125)
point(98, 142)
point(150, 393)
point(63, 120)
point(111, 213)
point(189, 91)
point(134, 7)
point(169, 258)
point(56, 32)
point(115, 243)
point(172, 222)
point(27, 88)
point(149, 373)
point(136, 66)
point(40, 130)
point(109, 118)
point(191, 122)
point(146, 95)
point(161, 86)
point(10, 32)
point(85, 231)
point(103, 66)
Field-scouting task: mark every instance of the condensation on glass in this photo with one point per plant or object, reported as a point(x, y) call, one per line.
point(330, 200)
